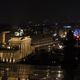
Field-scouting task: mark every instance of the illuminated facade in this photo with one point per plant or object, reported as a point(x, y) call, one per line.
point(11, 55)
point(4, 37)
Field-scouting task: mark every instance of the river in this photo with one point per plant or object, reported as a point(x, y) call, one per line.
point(30, 72)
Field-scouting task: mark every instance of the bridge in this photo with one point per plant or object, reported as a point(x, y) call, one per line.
point(25, 49)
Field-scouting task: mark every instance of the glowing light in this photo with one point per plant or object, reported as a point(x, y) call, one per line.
point(59, 71)
point(8, 47)
point(67, 26)
point(59, 75)
point(7, 69)
point(3, 60)
point(60, 46)
point(65, 32)
point(36, 74)
point(13, 60)
point(63, 35)
point(23, 79)
point(54, 45)
point(55, 34)
point(56, 39)
point(6, 59)
point(56, 78)
point(10, 60)
point(20, 32)
point(76, 32)
point(77, 36)
point(16, 33)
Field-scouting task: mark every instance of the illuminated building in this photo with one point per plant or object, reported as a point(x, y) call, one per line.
point(17, 48)
point(5, 36)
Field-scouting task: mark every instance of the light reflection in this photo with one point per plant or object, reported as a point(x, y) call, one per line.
point(13, 60)
point(59, 71)
point(23, 79)
point(7, 69)
point(10, 60)
point(6, 59)
point(36, 74)
point(59, 75)
point(27, 72)
point(3, 60)
point(44, 78)
point(56, 78)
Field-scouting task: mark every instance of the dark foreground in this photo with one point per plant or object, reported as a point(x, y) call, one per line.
point(30, 72)
point(36, 72)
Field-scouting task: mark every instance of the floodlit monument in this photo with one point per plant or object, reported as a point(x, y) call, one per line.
point(18, 48)
point(23, 44)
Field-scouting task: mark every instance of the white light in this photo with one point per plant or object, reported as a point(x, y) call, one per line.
point(36, 74)
point(13, 60)
point(56, 39)
point(6, 59)
point(56, 78)
point(23, 79)
point(59, 71)
point(3, 60)
point(77, 36)
point(10, 60)
point(49, 48)
point(60, 46)
point(8, 47)
point(7, 69)
point(54, 34)
point(67, 26)
point(17, 34)
point(63, 36)
point(54, 45)
point(47, 75)
point(44, 78)
point(59, 75)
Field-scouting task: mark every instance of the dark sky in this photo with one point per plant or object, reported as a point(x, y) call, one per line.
point(22, 11)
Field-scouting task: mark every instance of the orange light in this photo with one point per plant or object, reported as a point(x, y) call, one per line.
point(77, 36)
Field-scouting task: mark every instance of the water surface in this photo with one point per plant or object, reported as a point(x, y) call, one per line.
point(30, 72)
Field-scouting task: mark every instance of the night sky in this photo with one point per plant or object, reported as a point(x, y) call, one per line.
point(22, 11)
